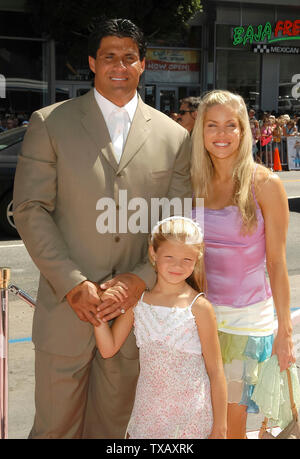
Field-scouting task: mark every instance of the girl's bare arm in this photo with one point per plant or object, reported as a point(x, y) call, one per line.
point(110, 339)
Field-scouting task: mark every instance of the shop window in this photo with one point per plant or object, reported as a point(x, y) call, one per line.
point(291, 14)
point(72, 64)
point(228, 15)
point(256, 16)
point(239, 72)
point(289, 84)
point(168, 100)
point(150, 95)
point(23, 66)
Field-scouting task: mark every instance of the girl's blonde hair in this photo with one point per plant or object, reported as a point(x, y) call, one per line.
point(186, 231)
point(202, 168)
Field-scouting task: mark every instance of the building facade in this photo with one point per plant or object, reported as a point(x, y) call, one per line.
point(250, 47)
point(256, 51)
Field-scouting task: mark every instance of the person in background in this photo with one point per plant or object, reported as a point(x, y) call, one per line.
point(266, 136)
point(252, 114)
point(10, 124)
point(254, 124)
point(272, 120)
point(188, 112)
point(277, 136)
point(290, 129)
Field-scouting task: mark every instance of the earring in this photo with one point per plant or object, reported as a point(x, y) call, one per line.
point(153, 263)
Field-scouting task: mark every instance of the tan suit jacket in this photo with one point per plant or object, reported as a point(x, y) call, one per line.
point(67, 164)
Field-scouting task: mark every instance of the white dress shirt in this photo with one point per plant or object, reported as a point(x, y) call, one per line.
point(118, 120)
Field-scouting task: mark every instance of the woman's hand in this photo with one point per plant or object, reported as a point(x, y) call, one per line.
point(283, 348)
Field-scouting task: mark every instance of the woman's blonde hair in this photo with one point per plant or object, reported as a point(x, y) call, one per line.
point(186, 231)
point(202, 168)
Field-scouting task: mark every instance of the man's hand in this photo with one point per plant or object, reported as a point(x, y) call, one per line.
point(121, 293)
point(84, 300)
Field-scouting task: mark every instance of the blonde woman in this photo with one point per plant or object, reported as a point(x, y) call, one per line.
point(246, 221)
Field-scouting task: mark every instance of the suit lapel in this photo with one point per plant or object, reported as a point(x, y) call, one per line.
point(95, 125)
point(139, 132)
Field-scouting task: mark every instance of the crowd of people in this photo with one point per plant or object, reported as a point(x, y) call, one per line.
point(11, 121)
point(270, 132)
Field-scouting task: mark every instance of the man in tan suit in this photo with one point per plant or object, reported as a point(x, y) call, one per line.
point(75, 154)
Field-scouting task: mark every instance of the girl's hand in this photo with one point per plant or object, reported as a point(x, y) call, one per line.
point(127, 288)
point(116, 293)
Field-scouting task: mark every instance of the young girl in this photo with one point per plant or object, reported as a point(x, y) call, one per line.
point(181, 391)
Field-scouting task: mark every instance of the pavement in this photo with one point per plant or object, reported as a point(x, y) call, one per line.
point(25, 276)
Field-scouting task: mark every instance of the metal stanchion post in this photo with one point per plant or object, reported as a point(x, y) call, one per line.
point(22, 295)
point(4, 279)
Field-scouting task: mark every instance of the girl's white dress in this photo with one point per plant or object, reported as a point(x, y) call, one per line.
point(173, 398)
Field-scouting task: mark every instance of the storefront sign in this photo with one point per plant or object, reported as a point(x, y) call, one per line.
point(283, 30)
point(275, 49)
point(172, 66)
point(293, 151)
point(2, 87)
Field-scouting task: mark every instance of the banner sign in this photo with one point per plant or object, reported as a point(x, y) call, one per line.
point(293, 152)
point(275, 49)
point(282, 31)
point(172, 65)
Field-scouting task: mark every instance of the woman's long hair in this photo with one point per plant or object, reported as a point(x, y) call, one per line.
point(202, 168)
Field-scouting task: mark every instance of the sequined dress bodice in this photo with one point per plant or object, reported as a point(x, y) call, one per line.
point(173, 391)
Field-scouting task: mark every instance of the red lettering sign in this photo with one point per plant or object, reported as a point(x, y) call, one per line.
point(289, 28)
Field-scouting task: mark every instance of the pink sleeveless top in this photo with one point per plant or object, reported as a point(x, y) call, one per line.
point(235, 264)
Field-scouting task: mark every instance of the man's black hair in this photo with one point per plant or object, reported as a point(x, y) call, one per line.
point(121, 28)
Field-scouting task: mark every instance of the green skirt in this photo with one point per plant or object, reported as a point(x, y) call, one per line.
point(243, 357)
point(271, 393)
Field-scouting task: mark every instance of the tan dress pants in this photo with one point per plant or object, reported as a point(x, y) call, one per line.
point(85, 396)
